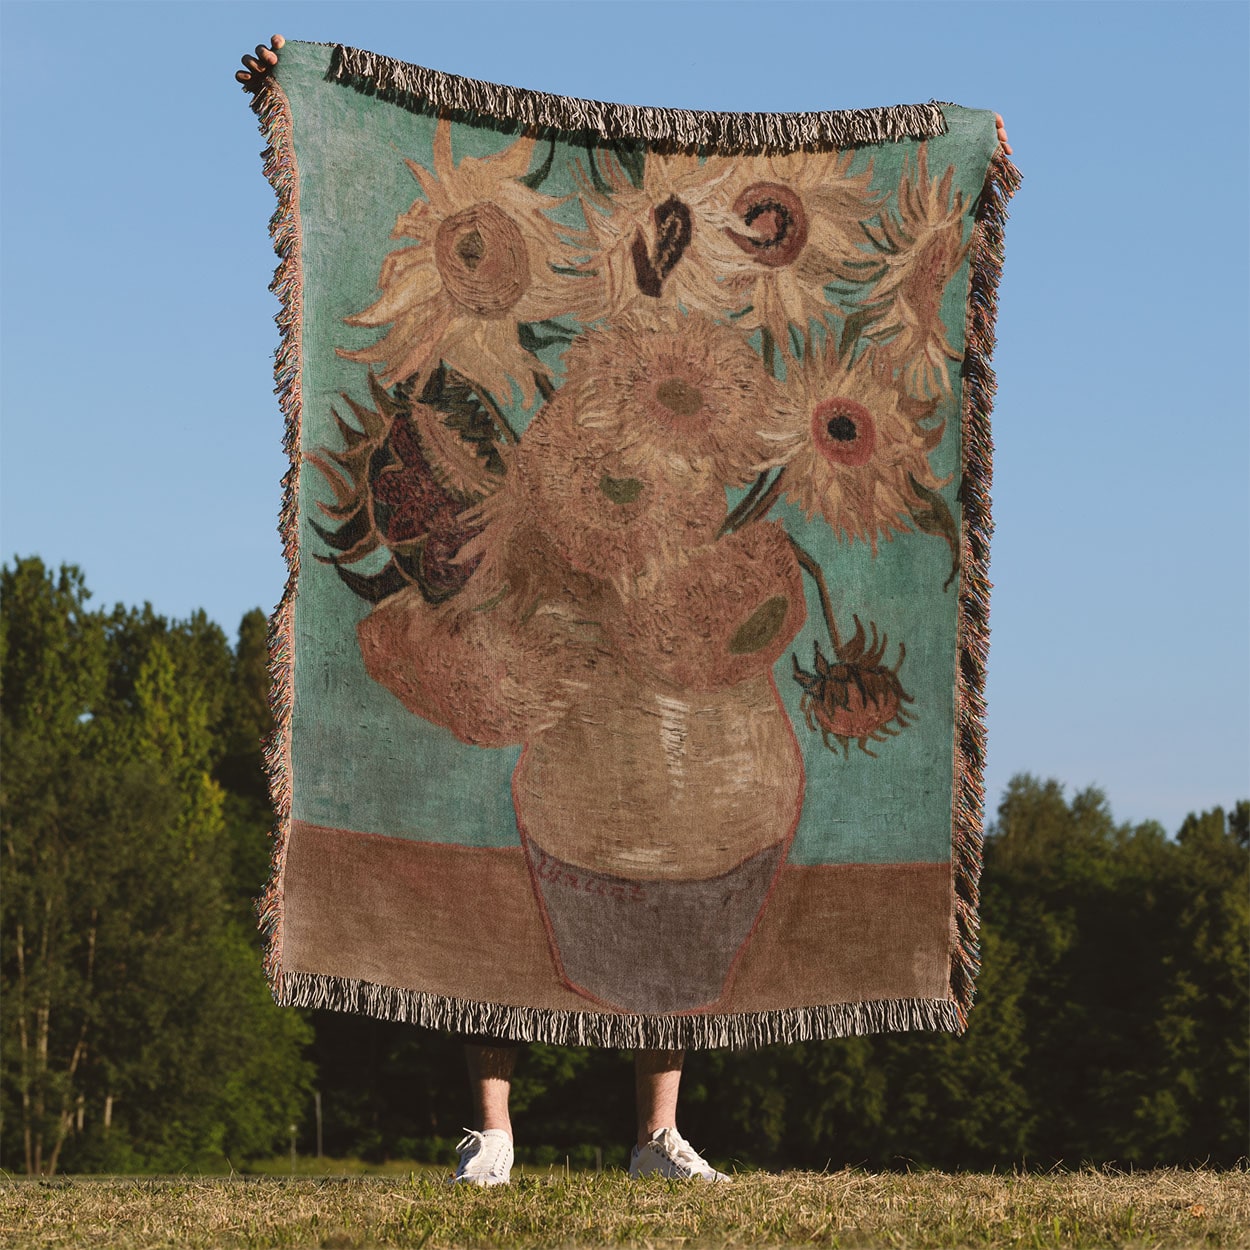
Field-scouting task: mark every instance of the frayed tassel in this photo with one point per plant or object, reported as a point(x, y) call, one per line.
point(274, 113)
point(1002, 180)
point(422, 90)
point(589, 1028)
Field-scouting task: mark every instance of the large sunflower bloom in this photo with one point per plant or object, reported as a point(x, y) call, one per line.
point(680, 393)
point(483, 261)
point(651, 241)
point(605, 513)
point(512, 559)
point(922, 242)
point(716, 615)
point(788, 227)
point(863, 448)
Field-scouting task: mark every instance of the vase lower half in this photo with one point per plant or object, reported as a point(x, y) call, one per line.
point(655, 824)
point(651, 947)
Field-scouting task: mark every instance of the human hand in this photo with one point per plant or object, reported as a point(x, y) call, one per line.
point(258, 66)
point(998, 118)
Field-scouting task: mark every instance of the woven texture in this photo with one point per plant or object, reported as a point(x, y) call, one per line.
point(629, 673)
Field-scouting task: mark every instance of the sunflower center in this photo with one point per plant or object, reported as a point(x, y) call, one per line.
point(471, 249)
point(620, 490)
point(760, 628)
point(481, 258)
point(844, 431)
point(674, 228)
point(679, 397)
point(777, 220)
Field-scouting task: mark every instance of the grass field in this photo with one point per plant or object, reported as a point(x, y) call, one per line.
point(841, 1209)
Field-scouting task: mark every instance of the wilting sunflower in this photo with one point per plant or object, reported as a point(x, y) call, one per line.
point(605, 513)
point(787, 227)
point(389, 496)
point(648, 242)
point(922, 244)
point(864, 446)
point(680, 393)
point(483, 261)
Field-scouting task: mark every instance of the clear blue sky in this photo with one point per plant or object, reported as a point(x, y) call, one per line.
point(141, 437)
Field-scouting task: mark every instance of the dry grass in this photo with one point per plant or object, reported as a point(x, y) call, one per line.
point(844, 1209)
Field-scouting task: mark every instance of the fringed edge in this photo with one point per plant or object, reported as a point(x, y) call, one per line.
point(274, 114)
point(1001, 181)
point(589, 1028)
point(422, 90)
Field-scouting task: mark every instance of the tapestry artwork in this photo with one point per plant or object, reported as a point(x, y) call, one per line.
point(629, 672)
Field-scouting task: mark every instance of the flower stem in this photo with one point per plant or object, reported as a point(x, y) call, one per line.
point(809, 566)
point(501, 422)
point(543, 382)
point(768, 347)
point(743, 506)
point(754, 506)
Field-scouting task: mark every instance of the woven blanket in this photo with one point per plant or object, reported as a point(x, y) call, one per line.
point(629, 672)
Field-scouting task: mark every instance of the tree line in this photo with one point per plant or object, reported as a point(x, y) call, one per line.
point(138, 1034)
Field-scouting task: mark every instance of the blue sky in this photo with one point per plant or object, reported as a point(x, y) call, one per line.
point(141, 435)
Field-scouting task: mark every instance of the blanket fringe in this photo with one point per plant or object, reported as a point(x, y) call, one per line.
point(274, 113)
point(588, 1028)
point(1001, 182)
point(422, 90)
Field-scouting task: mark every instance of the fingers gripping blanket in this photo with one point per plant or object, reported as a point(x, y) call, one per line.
point(628, 675)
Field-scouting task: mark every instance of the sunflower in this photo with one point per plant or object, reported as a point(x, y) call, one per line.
point(514, 561)
point(492, 678)
point(602, 510)
point(864, 447)
point(717, 615)
point(648, 241)
point(786, 227)
point(922, 245)
point(388, 495)
point(679, 393)
point(483, 262)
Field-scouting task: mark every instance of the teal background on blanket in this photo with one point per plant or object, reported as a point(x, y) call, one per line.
point(362, 761)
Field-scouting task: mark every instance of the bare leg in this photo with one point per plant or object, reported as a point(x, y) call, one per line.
point(657, 1078)
point(490, 1081)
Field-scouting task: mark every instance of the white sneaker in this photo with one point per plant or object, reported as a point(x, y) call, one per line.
point(485, 1158)
point(668, 1153)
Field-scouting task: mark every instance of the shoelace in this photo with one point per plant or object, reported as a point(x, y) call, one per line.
point(496, 1146)
point(683, 1153)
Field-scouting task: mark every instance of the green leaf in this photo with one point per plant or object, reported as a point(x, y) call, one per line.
point(449, 393)
point(535, 335)
point(932, 516)
point(633, 158)
point(535, 179)
point(588, 141)
point(852, 328)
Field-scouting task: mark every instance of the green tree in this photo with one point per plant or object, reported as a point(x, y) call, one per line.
point(139, 1031)
point(1199, 1107)
point(53, 671)
point(1132, 946)
point(1110, 1022)
point(246, 722)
